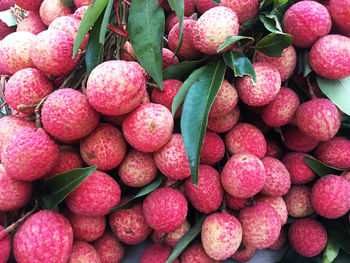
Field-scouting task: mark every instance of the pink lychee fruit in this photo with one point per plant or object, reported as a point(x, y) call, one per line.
point(274, 148)
point(277, 203)
point(5, 30)
point(80, 3)
point(165, 209)
point(298, 201)
point(245, 10)
point(95, 196)
point(212, 29)
point(346, 176)
point(299, 171)
point(83, 252)
point(171, 21)
point(221, 235)
point(281, 240)
point(128, 54)
point(255, 119)
point(5, 246)
point(243, 175)
point(109, 248)
point(171, 238)
point(51, 9)
point(224, 123)
point(330, 196)
point(32, 24)
point(195, 254)
point(168, 58)
point(246, 138)
point(213, 149)
point(260, 224)
point(335, 152)
point(80, 12)
point(295, 140)
point(235, 203)
point(68, 116)
point(204, 5)
point(6, 4)
point(188, 6)
point(156, 254)
point(306, 21)
point(340, 14)
point(307, 236)
point(244, 253)
point(29, 5)
point(46, 236)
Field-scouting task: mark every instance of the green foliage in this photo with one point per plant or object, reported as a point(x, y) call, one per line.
point(178, 7)
point(331, 251)
point(69, 3)
point(178, 70)
point(231, 40)
point(240, 64)
point(320, 168)
point(274, 43)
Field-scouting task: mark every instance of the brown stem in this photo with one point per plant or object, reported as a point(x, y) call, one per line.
point(152, 85)
point(310, 88)
point(194, 16)
point(37, 112)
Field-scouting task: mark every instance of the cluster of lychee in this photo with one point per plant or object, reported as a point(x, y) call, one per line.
point(115, 124)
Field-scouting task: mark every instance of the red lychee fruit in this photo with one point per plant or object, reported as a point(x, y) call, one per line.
point(260, 224)
point(340, 14)
point(83, 252)
point(204, 5)
point(335, 152)
point(295, 140)
point(46, 236)
point(213, 149)
point(243, 175)
point(277, 203)
point(195, 254)
point(274, 148)
point(5, 246)
point(95, 196)
point(156, 254)
point(221, 235)
point(168, 58)
point(29, 5)
point(80, 12)
point(109, 248)
point(68, 116)
point(346, 176)
point(298, 201)
point(171, 21)
point(32, 24)
point(307, 21)
point(128, 54)
point(80, 3)
point(235, 203)
point(212, 29)
point(244, 253)
point(281, 240)
point(5, 30)
point(224, 123)
point(245, 10)
point(330, 196)
point(299, 171)
point(6, 4)
point(171, 238)
point(165, 209)
point(307, 236)
point(51, 9)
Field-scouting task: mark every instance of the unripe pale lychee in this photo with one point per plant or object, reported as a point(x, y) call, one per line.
point(245, 10)
point(298, 201)
point(171, 238)
point(281, 240)
point(224, 123)
point(83, 252)
point(335, 152)
point(51, 9)
point(80, 3)
point(244, 253)
point(235, 203)
point(204, 5)
point(299, 171)
point(156, 254)
point(29, 5)
point(340, 14)
point(109, 248)
point(32, 24)
point(274, 148)
point(80, 12)
point(5, 246)
point(295, 140)
point(196, 254)
point(277, 203)
point(213, 149)
point(44, 237)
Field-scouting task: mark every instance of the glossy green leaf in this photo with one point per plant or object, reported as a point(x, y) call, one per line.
point(195, 111)
point(273, 44)
point(186, 239)
point(46, 201)
point(240, 64)
point(337, 90)
point(265, 3)
point(331, 251)
point(63, 184)
point(178, 7)
point(342, 258)
point(281, 8)
point(178, 70)
point(231, 40)
point(291, 256)
point(103, 27)
point(216, 1)
point(144, 191)
point(320, 168)
point(337, 233)
point(69, 3)
point(146, 29)
point(269, 24)
point(8, 18)
point(250, 23)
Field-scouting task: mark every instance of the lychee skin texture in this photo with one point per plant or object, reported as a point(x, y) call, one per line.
point(15, 51)
point(171, 238)
point(204, 5)
point(129, 225)
point(340, 14)
point(171, 21)
point(306, 21)
point(285, 64)
point(330, 57)
point(221, 235)
point(149, 127)
point(244, 253)
point(14, 194)
point(44, 237)
point(281, 240)
point(196, 254)
point(213, 149)
point(27, 86)
point(307, 236)
point(277, 203)
point(245, 10)
point(95, 196)
point(213, 27)
point(68, 125)
point(5, 246)
point(51, 9)
point(156, 254)
point(260, 224)
point(234, 202)
point(172, 160)
point(29, 5)
point(330, 196)
point(5, 30)
point(32, 24)
point(80, 3)
point(137, 169)
point(6, 4)
point(168, 58)
point(224, 123)
point(298, 201)
point(109, 248)
point(299, 171)
point(246, 138)
point(104, 147)
point(80, 12)
point(274, 148)
point(52, 51)
point(83, 252)
point(335, 152)
point(115, 87)
point(243, 175)
point(295, 140)
point(29, 155)
point(268, 84)
point(319, 118)
point(165, 209)
point(207, 196)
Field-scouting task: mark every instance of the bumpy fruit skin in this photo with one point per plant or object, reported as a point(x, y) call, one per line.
point(204, 5)
point(319, 119)
point(295, 140)
point(213, 149)
point(298, 201)
point(95, 196)
point(268, 84)
point(171, 238)
point(335, 152)
point(80, 12)
point(235, 203)
point(52, 51)
point(104, 147)
point(168, 58)
point(307, 236)
point(245, 10)
point(32, 24)
point(15, 51)
point(330, 57)
point(299, 171)
point(243, 175)
point(109, 248)
point(46, 237)
point(156, 254)
point(171, 21)
point(83, 252)
point(68, 125)
point(307, 21)
point(277, 203)
point(165, 209)
point(29, 155)
point(115, 87)
point(346, 176)
point(213, 27)
point(274, 148)
point(244, 253)
point(80, 3)
point(29, 5)
point(261, 225)
point(221, 235)
point(5, 246)
point(224, 123)
point(246, 138)
point(196, 254)
point(5, 30)
point(27, 86)
point(340, 14)
point(14, 194)
point(6, 4)
point(330, 196)
point(51, 9)
point(281, 240)
point(207, 196)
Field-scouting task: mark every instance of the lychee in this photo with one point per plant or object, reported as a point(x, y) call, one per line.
point(6, 4)
point(156, 254)
point(51, 9)
point(204, 5)
point(235, 203)
point(224, 123)
point(83, 252)
point(29, 5)
point(245, 10)
point(244, 253)
point(109, 248)
point(340, 14)
point(335, 152)
point(171, 238)
point(274, 148)
point(5, 30)
point(171, 21)
point(346, 176)
point(195, 254)
point(299, 171)
point(5, 246)
point(32, 24)
point(277, 203)
point(298, 201)
point(281, 240)
point(213, 149)
point(80, 3)
point(169, 58)
point(80, 12)
point(295, 140)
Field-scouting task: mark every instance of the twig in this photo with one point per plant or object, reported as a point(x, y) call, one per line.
point(310, 88)
point(37, 112)
point(152, 85)
point(165, 40)
point(83, 84)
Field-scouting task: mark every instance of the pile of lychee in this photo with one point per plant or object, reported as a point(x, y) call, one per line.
point(250, 180)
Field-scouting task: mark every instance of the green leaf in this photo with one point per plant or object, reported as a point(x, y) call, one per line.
point(181, 94)
point(178, 70)
point(69, 3)
point(195, 111)
point(8, 18)
point(291, 256)
point(215, 1)
point(146, 29)
point(273, 44)
point(186, 239)
point(47, 203)
point(91, 15)
point(337, 233)
point(331, 251)
point(337, 90)
point(269, 24)
point(320, 168)
point(281, 8)
point(103, 28)
point(277, 3)
point(250, 22)
point(144, 191)
point(63, 184)
point(265, 3)
point(342, 258)
point(240, 64)
point(231, 40)
point(178, 7)
point(305, 63)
